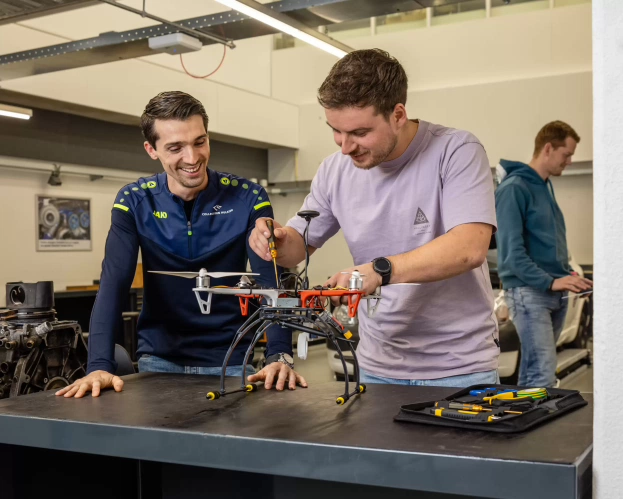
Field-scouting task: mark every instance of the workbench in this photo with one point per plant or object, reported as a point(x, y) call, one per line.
point(161, 438)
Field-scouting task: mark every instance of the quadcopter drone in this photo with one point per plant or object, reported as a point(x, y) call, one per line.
point(300, 309)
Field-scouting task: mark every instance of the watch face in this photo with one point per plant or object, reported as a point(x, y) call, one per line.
point(288, 358)
point(381, 265)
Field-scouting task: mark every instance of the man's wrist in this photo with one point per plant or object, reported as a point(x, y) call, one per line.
point(383, 267)
point(283, 358)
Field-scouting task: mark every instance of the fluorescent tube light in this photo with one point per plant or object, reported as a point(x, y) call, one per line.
point(15, 112)
point(287, 25)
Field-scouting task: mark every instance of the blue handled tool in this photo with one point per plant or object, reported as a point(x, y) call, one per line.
point(488, 392)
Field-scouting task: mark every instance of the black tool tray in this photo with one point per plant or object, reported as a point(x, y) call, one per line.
point(534, 412)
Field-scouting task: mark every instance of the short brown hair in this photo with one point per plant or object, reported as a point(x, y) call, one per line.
point(365, 78)
point(555, 133)
point(170, 106)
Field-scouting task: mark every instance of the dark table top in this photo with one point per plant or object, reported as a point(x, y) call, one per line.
point(166, 417)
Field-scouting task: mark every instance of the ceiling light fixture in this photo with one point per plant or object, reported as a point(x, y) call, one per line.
point(15, 112)
point(287, 25)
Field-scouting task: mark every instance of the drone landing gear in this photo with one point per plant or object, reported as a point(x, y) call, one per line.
point(251, 387)
point(292, 318)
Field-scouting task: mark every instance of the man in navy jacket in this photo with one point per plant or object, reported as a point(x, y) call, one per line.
point(183, 219)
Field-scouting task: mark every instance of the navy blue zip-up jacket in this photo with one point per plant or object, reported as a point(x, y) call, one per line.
point(148, 216)
point(531, 236)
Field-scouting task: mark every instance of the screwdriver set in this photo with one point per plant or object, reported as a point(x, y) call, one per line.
point(498, 408)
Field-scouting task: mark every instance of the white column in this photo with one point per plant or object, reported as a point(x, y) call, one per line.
point(552, 4)
point(608, 241)
point(488, 7)
point(429, 16)
point(372, 26)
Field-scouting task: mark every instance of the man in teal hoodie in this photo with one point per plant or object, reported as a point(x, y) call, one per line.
point(533, 262)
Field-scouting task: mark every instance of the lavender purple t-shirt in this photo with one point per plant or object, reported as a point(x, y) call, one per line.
point(442, 180)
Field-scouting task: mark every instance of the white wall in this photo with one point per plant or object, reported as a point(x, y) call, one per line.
point(19, 260)
point(501, 78)
point(608, 182)
point(574, 194)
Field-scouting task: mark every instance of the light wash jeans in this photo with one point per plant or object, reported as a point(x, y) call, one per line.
point(538, 317)
point(153, 364)
point(460, 381)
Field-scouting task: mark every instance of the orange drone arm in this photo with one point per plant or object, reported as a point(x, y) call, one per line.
point(244, 303)
point(354, 297)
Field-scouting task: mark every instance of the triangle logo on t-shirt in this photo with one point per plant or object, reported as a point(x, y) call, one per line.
point(420, 218)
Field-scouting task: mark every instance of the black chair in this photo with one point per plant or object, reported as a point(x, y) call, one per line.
point(124, 361)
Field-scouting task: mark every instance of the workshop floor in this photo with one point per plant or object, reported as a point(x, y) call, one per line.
point(316, 369)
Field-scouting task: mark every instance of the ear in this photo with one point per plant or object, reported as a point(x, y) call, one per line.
point(150, 150)
point(399, 115)
point(547, 149)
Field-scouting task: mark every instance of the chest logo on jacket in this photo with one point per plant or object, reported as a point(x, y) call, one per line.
point(218, 210)
point(161, 214)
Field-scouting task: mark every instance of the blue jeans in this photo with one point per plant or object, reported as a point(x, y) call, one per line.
point(460, 381)
point(538, 317)
point(153, 364)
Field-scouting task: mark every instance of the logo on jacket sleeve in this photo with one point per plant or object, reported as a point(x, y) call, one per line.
point(161, 214)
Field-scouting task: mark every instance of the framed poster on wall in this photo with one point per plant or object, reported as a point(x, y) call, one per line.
point(63, 224)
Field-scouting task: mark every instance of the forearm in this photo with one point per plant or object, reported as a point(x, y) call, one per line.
point(458, 251)
point(118, 271)
point(291, 249)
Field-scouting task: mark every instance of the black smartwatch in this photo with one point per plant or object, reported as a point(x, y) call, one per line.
point(383, 267)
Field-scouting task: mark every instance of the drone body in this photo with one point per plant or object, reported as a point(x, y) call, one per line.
point(299, 309)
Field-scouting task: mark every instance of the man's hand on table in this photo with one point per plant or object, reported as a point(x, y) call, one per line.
point(94, 382)
point(282, 373)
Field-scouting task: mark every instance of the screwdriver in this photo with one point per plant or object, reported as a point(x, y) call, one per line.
point(272, 246)
point(469, 407)
point(464, 415)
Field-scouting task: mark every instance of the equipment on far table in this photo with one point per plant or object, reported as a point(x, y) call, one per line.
point(37, 352)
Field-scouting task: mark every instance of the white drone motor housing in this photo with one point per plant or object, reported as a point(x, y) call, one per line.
point(175, 43)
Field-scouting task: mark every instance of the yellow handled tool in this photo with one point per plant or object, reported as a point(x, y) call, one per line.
point(272, 246)
point(527, 394)
point(473, 408)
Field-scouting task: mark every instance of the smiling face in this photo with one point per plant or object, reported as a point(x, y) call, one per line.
point(365, 135)
point(183, 149)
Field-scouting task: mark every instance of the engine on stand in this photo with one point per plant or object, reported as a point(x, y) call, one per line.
point(37, 352)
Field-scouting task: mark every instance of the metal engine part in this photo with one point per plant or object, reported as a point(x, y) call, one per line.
point(37, 352)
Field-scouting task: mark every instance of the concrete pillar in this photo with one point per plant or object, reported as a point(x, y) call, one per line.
point(608, 241)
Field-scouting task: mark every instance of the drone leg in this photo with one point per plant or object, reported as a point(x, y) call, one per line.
point(341, 400)
point(249, 323)
point(256, 337)
point(360, 387)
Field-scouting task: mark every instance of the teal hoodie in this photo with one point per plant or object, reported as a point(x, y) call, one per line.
point(531, 236)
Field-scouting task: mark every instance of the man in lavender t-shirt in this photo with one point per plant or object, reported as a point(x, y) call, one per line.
point(415, 203)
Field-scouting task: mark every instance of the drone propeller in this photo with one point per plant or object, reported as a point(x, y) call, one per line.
point(202, 272)
point(354, 272)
